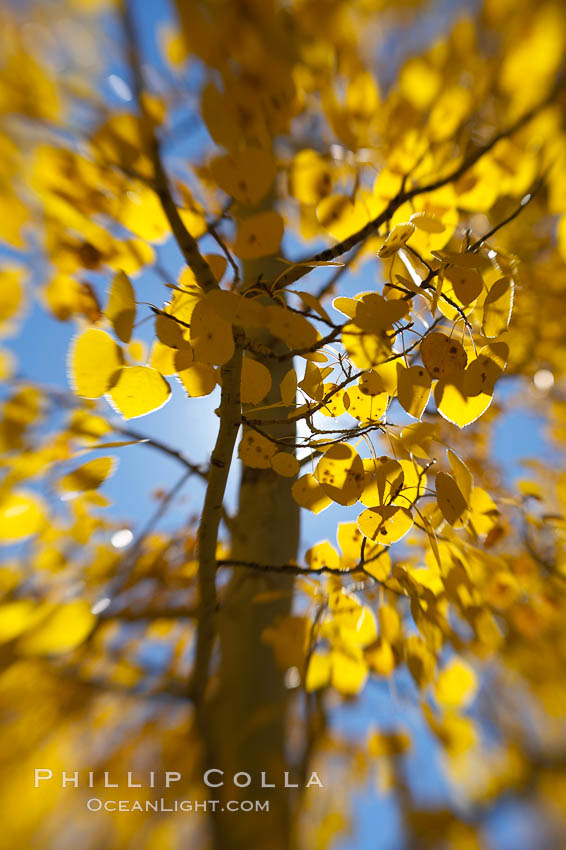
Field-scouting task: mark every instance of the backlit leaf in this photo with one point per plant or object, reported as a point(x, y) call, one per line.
point(94, 359)
point(89, 476)
point(22, 513)
point(138, 390)
point(121, 307)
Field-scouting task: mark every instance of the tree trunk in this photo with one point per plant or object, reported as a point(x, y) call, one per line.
point(248, 712)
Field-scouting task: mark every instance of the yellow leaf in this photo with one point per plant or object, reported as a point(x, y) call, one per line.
point(121, 307)
point(355, 619)
point(427, 222)
point(467, 283)
point(389, 623)
point(237, 309)
point(138, 390)
point(255, 450)
point(199, 379)
point(457, 407)
point(380, 658)
point(162, 358)
point(255, 382)
point(413, 389)
point(419, 82)
point(142, 214)
point(18, 616)
point(308, 493)
point(211, 336)
point(258, 235)
point(461, 473)
point(295, 331)
point(285, 464)
point(497, 308)
point(442, 355)
point(94, 360)
point(483, 372)
point(246, 175)
point(22, 513)
point(137, 350)
point(340, 472)
point(318, 672)
point(456, 685)
point(385, 524)
point(289, 637)
point(322, 555)
point(11, 295)
point(340, 216)
point(65, 629)
point(383, 479)
point(420, 660)
point(288, 388)
point(396, 239)
point(169, 332)
point(451, 502)
point(310, 178)
point(483, 511)
point(366, 350)
point(349, 672)
point(89, 476)
point(365, 407)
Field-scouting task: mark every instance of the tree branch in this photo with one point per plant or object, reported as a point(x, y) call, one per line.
point(301, 269)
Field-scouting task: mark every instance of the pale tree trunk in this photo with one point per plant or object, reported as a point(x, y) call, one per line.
point(248, 712)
